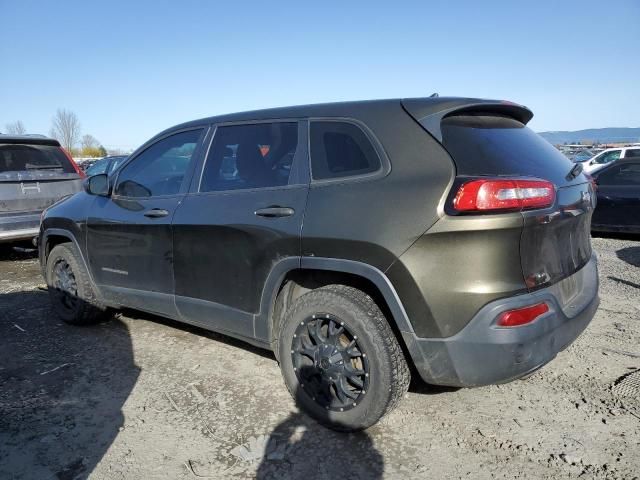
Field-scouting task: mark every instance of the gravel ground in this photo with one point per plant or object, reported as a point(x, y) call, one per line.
point(143, 397)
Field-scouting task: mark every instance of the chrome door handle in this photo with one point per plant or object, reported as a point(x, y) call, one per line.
point(274, 212)
point(156, 213)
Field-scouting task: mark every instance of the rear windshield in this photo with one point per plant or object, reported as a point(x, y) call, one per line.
point(498, 145)
point(21, 158)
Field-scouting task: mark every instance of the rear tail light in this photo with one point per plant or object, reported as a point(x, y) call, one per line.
point(522, 316)
point(504, 194)
point(78, 170)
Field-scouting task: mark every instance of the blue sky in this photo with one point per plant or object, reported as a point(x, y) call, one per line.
point(129, 69)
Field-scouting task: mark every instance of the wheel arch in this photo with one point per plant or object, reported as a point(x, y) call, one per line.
point(290, 280)
point(55, 236)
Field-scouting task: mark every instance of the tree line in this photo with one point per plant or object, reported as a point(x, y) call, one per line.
point(66, 128)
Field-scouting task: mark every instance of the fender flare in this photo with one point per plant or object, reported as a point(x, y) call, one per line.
point(61, 232)
point(262, 321)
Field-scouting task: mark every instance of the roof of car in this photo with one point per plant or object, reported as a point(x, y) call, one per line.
point(28, 140)
point(628, 147)
point(422, 107)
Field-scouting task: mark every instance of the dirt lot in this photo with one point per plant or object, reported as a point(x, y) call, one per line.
point(143, 398)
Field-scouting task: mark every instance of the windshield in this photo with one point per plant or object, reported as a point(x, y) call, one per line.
point(100, 166)
point(21, 158)
point(606, 157)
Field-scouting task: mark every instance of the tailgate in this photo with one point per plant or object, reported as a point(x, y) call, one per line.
point(36, 195)
point(493, 141)
point(555, 244)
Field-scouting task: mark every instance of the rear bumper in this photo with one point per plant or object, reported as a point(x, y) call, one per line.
point(19, 227)
point(483, 353)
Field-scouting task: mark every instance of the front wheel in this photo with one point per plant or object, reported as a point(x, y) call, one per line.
point(340, 359)
point(70, 289)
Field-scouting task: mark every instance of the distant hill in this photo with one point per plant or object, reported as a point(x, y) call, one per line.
point(600, 135)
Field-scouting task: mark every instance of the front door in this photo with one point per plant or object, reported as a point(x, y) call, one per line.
point(243, 217)
point(129, 237)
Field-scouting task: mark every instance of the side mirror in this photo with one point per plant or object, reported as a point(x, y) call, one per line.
point(98, 185)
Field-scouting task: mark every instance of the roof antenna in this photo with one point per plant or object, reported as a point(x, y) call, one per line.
point(434, 95)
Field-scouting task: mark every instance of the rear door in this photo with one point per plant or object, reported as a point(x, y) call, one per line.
point(244, 215)
point(618, 196)
point(32, 177)
point(129, 237)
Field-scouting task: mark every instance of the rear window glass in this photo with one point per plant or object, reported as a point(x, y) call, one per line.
point(21, 158)
point(340, 149)
point(633, 152)
point(497, 145)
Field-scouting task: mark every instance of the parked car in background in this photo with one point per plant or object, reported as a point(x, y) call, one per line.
point(618, 189)
point(438, 233)
point(580, 156)
point(610, 155)
point(85, 163)
point(105, 165)
point(35, 172)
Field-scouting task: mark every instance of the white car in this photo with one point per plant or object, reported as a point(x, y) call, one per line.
point(610, 155)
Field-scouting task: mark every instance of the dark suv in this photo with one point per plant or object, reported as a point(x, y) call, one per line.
point(359, 241)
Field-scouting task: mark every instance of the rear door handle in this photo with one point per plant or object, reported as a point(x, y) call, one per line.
point(273, 212)
point(156, 213)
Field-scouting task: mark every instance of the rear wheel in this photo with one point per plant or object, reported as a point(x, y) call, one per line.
point(70, 290)
point(340, 359)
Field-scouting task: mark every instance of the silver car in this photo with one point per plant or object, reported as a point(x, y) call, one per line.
point(35, 172)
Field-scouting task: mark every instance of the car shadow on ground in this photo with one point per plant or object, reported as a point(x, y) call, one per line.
point(630, 255)
point(62, 389)
point(9, 253)
point(299, 447)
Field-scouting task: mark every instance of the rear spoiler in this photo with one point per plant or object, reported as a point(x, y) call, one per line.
point(27, 140)
point(429, 112)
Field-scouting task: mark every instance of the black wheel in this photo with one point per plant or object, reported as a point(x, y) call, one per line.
point(70, 290)
point(340, 359)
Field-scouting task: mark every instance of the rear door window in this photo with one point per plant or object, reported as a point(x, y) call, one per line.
point(632, 153)
point(21, 158)
point(482, 144)
point(160, 169)
point(250, 156)
point(341, 149)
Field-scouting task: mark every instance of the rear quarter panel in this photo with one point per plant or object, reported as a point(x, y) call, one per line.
point(375, 220)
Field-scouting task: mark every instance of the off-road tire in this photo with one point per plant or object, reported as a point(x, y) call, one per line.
point(389, 374)
point(87, 309)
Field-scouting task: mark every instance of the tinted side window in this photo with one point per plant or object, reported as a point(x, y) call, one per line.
point(340, 149)
point(250, 156)
point(621, 174)
point(633, 152)
point(160, 169)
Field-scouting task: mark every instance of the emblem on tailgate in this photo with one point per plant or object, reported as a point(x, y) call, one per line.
point(30, 187)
